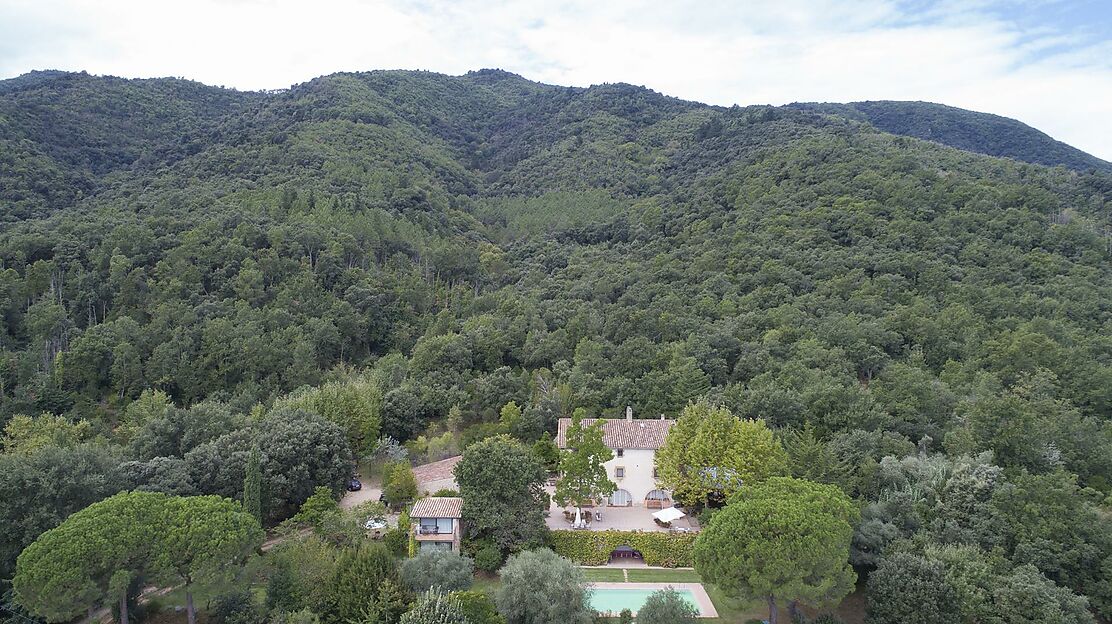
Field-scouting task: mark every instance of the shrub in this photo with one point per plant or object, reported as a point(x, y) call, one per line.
point(669, 550)
point(446, 492)
point(667, 606)
point(397, 542)
point(282, 592)
point(237, 607)
point(363, 578)
point(488, 558)
point(303, 616)
point(434, 607)
point(625, 617)
point(478, 608)
point(441, 569)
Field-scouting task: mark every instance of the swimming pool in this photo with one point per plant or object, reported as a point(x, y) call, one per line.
point(613, 600)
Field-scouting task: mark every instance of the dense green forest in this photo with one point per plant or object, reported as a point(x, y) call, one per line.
point(189, 272)
point(976, 132)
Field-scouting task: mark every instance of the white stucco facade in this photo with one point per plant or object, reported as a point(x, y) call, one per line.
point(633, 443)
point(638, 468)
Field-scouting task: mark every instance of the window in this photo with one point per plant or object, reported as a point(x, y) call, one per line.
point(655, 475)
point(619, 472)
point(435, 526)
point(621, 452)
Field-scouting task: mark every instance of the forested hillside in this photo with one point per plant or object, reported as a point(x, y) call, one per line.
point(964, 129)
point(186, 271)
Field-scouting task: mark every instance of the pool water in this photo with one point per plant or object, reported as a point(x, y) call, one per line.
point(614, 600)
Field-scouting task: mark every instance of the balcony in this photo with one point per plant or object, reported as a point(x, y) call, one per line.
point(435, 534)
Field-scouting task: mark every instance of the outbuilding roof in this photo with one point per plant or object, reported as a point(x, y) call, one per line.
point(436, 471)
point(623, 433)
point(437, 507)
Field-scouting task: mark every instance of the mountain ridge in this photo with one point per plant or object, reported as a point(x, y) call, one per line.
point(982, 133)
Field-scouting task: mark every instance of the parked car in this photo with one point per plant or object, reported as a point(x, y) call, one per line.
point(354, 485)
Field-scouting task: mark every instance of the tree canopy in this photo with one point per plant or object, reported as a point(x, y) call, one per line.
point(96, 553)
point(783, 539)
point(540, 587)
point(500, 482)
point(582, 474)
point(709, 452)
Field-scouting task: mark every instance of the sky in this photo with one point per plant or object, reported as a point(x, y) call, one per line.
point(1047, 63)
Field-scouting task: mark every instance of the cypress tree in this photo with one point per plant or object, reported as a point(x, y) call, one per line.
point(253, 485)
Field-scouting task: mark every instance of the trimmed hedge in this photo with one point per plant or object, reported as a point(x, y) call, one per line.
point(669, 550)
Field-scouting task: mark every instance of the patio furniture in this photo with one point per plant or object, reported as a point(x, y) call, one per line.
point(669, 515)
point(584, 520)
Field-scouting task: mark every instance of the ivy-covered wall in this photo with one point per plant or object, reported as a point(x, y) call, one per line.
point(670, 550)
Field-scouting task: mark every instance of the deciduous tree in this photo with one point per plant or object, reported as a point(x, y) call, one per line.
point(501, 485)
point(24, 435)
point(709, 452)
point(401, 486)
point(582, 474)
point(38, 492)
point(907, 589)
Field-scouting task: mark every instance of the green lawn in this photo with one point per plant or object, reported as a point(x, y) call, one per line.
point(604, 575)
point(663, 576)
point(486, 583)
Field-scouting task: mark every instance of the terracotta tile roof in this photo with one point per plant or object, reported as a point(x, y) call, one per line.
point(436, 471)
point(437, 507)
point(622, 433)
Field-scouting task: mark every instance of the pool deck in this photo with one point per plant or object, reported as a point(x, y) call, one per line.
point(706, 607)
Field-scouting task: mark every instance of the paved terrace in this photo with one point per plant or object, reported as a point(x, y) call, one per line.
point(635, 518)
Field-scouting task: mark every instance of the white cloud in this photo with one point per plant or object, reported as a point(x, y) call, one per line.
point(968, 54)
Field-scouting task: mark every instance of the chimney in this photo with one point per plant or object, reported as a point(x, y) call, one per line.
point(629, 412)
point(662, 416)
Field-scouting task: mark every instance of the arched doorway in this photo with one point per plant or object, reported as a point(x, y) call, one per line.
point(625, 554)
point(658, 499)
point(621, 498)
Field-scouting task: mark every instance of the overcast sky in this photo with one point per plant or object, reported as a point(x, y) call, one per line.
point(1047, 63)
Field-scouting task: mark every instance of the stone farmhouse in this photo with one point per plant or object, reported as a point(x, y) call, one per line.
point(632, 468)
